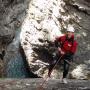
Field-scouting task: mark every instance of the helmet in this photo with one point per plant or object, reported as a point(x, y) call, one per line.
point(70, 29)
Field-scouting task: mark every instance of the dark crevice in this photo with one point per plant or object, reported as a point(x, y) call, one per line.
point(81, 10)
point(6, 39)
point(78, 9)
point(44, 53)
point(87, 1)
point(78, 24)
point(27, 67)
point(2, 55)
point(8, 2)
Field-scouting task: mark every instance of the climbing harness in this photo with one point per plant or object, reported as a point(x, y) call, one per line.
point(70, 63)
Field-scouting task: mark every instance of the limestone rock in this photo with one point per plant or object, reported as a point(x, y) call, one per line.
point(81, 72)
point(44, 22)
point(41, 25)
point(40, 22)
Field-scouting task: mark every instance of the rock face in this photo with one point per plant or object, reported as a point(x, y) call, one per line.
point(39, 23)
point(12, 14)
point(44, 22)
point(38, 28)
point(34, 84)
point(14, 62)
point(80, 12)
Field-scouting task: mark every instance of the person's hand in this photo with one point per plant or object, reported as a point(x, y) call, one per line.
point(59, 49)
point(62, 52)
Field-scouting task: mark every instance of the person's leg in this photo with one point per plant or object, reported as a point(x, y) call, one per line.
point(66, 65)
point(66, 69)
point(65, 72)
point(50, 69)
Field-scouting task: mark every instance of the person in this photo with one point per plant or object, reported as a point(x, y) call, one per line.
point(66, 48)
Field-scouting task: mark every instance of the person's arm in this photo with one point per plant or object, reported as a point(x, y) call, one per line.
point(57, 41)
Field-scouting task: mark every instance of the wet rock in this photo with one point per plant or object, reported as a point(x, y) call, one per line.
point(12, 13)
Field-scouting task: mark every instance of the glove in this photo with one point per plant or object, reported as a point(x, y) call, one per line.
point(56, 43)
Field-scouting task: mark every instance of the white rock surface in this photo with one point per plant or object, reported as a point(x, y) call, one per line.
point(81, 72)
point(42, 24)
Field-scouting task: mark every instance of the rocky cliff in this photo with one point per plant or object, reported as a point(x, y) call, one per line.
point(34, 84)
point(35, 24)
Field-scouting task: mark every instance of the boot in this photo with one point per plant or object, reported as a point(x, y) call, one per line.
point(64, 80)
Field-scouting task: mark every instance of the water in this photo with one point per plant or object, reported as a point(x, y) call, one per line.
point(18, 67)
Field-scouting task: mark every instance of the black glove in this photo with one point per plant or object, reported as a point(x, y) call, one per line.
point(57, 44)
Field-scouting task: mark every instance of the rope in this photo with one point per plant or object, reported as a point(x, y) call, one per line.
point(42, 84)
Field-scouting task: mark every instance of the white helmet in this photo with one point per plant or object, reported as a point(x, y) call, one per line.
point(70, 29)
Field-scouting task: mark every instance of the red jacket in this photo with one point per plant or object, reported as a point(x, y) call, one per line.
point(67, 45)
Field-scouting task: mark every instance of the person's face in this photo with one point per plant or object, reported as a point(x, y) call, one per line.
point(70, 34)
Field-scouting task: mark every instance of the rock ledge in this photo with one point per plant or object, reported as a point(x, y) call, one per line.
point(51, 84)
